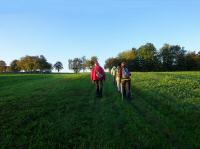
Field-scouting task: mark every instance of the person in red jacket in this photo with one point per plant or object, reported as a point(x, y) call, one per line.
point(98, 76)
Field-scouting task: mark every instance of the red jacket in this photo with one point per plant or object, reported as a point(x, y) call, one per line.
point(98, 71)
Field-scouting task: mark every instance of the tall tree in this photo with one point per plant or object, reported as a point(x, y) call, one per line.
point(148, 55)
point(84, 63)
point(191, 61)
point(76, 65)
point(167, 57)
point(128, 55)
point(43, 65)
point(58, 66)
point(93, 60)
point(179, 57)
point(2, 66)
point(173, 57)
point(198, 60)
point(90, 62)
point(34, 63)
point(14, 67)
point(28, 63)
point(110, 62)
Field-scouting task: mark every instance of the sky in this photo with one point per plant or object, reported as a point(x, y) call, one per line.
point(63, 29)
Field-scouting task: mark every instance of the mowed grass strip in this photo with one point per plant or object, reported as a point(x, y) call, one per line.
point(61, 111)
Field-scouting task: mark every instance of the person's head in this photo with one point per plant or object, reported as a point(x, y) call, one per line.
point(119, 65)
point(113, 67)
point(123, 64)
point(96, 63)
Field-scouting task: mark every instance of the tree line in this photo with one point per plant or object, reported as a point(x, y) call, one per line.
point(148, 58)
point(30, 64)
point(145, 58)
point(39, 64)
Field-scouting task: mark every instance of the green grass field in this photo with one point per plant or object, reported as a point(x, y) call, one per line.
point(61, 111)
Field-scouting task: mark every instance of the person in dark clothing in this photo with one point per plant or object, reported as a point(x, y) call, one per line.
point(98, 76)
point(125, 82)
point(99, 88)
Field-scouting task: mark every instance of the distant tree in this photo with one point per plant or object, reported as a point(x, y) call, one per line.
point(148, 54)
point(70, 64)
point(2, 66)
point(8, 69)
point(48, 67)
point(110, 62)
point(198, 60)
point(129, 57)
point(147, 58)
point(33, 64)
point(14, 67)
point(93, 60)
point(167, 57)
point(173, 57)
point(76, 65)
point(140, 63)
point(179, 58)
point(58, 66)
point(28, 63)
point(89, 63)
point(192, 61)
point(84, 63)
point(43, 65)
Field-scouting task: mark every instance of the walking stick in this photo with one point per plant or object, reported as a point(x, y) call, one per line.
point(122, 91)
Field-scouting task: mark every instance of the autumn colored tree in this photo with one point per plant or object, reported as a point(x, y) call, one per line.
point(2, 66)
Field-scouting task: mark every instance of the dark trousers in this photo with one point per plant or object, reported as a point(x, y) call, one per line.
point(126, 88)
point(99, 87)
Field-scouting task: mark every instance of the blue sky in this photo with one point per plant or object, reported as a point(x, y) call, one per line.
point(63, 29)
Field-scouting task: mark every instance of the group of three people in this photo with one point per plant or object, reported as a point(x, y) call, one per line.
point(121, 77)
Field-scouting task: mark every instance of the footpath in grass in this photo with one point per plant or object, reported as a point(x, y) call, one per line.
point(61, 111)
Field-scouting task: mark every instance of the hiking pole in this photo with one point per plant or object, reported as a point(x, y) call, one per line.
point(122, 91)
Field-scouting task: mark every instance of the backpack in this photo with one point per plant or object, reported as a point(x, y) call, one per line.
point(99, 75)
point(118, 72)
point(125, 73)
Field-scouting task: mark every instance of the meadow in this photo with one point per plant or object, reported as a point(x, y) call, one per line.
point(61, 111)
